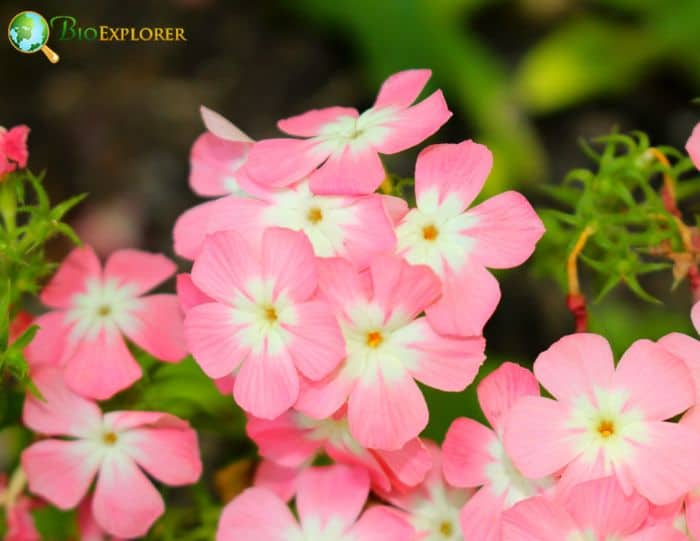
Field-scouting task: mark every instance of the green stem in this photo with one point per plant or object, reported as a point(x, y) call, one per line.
point(8, 203)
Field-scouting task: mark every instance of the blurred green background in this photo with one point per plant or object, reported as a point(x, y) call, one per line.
point(526, 77)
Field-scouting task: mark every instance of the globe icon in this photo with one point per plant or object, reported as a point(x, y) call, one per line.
point(29, 33)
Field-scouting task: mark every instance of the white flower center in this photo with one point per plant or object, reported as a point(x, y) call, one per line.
point(437, 517)
point(333, 431)
point(313, 530)
point(366, 131)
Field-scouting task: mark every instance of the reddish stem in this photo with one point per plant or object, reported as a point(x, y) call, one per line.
point(577, 306)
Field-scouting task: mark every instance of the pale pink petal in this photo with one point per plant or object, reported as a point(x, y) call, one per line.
point(659, 532)
point(257, 514)
point(20, 522)
point(60, 471)
point(50, 344)
point(281, 480)
point(657, 382)
point(221, 126)
point(246, 216)
point(125, 503)
point(211, 336)
point(310, 123)
point(275, 163)
point(160, 329)
point(381, 523)
point(386, 413)
point(190, 228)
point(288, 259)
point(15, 144)
point(88, 528)
point(536, 437)
point(333, 493)
point(317, 345)
point(480, 518)
point(142, 270)
point(224, 266)
point(215, 165)
point(466, 453)
point(505, 229)
point(396, 207)
point(189, 294)
point(402, 88)
point(340, 283)
point(126, 420)
point(688, 350)
point(574, 365)
point(602, 506)
point(456, 171)
point(582, 469)
point(352, 171)
point(693, 146)
point(71, 277)
point(282, 440)
point(171, 455)
point(59, 412)
point(415, 124)
point(369, 233)
point(321, 399)
point(445, 363)
point(410, 464)
point(667, 467)
point(469, 298)
point(539, 519)
point(267, 384)
point(403, 288)
point(501, 389)
point(100, 367)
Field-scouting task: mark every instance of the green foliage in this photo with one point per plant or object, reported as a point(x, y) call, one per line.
point(620, 203)
point(28, 223)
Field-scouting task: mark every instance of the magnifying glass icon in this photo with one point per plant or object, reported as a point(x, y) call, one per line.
point(29, 32)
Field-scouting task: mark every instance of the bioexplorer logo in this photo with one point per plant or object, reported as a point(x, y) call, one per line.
point(29, 32)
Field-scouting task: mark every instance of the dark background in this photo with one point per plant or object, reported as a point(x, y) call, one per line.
point(527, 77)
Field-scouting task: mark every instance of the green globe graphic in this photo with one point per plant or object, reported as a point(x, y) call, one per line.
point(28, 32)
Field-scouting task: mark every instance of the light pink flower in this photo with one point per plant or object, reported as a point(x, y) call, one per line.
point(356, 228)
point(693, 146)
point(459, 244)
point(387, 347)
point(608, 421)
point(13, 148)
point(114, 447)
point(329, 501)
point(473, 455)
point(434, 506)
point(293, 440)
point(345, 144)
point(266, 322)
point(95, 308)
point(597, 510)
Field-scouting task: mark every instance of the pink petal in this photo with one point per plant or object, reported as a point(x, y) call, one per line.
point(452, 170)
point(160, 329)
point(333, 493)
point(211, 336)
point(71, 277)
point(349, 172)
point(656, 381)
point(505, 229)
point(267, 384)
point(469, 298)
point(538, 519)
point(340, 283)
point(143, 270)
point(386, 413)
point(396, 207)
point(602, 506)
point(415, 124)
point(50, 344)
point(536, 437)
point(125, 503)
point(467, 453)
point(695, 316)
point(666, 467)
point(574, 365)
point(402, 88)
point(215, 165)
point(310, 123)
point(126, 420)
point(480, 518)
point(317, 345)
point(100, 367)
point(189, 294)
point(244, 215)
point(60, 471)
point(321, 399)
point(279, 480)
point(191, 227)
point(501, 389)
point(221, 126)
point(403, 288)
point(257, 514)
point(15, 144)
point(61, 412)
point(380, 523)
point(370, 232)
point(274, 163)
point(693, 146)
point(288, 259)
point(692, 513)
point(282, 440)
point(445, 363)
point(410, 464)
point(20, 522)
point(688, 350)
point(659, 532)
point(224, 266)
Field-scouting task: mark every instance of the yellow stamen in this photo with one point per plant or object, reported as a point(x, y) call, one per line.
point(104, 310)
point(374, 338)
point(606, 428)
point(110, 438)
point(314, 215)
point(430, 232)
point(270, 314)
point(446, 529)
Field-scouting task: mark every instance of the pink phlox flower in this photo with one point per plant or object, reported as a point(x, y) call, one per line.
point(13, 148)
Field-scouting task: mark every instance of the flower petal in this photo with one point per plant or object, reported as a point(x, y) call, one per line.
point(480, 517)
point(352, 171)
point(693, 145)
point(140, 269)
point(502, 388)
point(160, 328)
point(310, 123)
point(381, 523)
point(288, 260)
point(71, 277)
point(274, 163)
point(467, 453)
point(282, 440)
point(401, 89)
point(256, 514)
